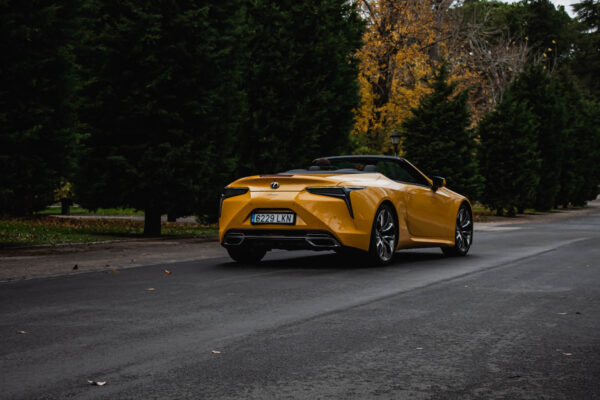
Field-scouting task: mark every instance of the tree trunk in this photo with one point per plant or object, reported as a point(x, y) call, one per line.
point(65, 206)
point(499, 212)
point(520, 210)
point(151, 222)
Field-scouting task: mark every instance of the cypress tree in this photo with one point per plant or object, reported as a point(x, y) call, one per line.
point(586, 152)
point(508, 153)
point(301, 82)
point(163, 104)
point(37, 83)
point(540, 91)
point(437, 138)
point(572, 172)
point(585, 60)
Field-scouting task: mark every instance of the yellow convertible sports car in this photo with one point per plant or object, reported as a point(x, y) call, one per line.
point(377, 204)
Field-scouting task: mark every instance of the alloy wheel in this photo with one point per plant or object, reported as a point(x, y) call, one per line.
point(385, 234)
point(464, 230)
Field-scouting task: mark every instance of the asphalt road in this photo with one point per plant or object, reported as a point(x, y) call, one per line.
point(519, 317)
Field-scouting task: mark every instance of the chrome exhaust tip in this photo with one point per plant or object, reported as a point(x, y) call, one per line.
point(322, 241)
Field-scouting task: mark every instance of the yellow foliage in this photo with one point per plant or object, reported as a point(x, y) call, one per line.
point(403, 43)
point(64, 191)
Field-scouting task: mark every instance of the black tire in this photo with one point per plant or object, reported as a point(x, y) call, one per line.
point(463, 233)
point(246, 255)
point(384, 236)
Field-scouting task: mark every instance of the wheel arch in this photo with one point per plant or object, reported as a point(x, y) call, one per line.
point(468, 204)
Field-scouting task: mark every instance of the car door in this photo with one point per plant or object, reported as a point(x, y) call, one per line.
point(427, 212)
point(426, 209)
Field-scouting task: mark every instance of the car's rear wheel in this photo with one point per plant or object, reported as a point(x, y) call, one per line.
point(384, 236)
point(463, 233)
point(246, 254)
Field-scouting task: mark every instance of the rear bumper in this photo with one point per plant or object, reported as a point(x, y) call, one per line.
point(287, 239)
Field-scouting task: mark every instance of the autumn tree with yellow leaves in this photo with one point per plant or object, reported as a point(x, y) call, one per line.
point(405, 42)
point(394, 65)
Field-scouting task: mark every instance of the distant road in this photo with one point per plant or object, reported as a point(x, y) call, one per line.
point(517, 318)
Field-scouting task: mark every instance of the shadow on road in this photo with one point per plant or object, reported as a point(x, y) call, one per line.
point(330, 261)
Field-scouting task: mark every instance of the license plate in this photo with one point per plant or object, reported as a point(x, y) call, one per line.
point(274, 218)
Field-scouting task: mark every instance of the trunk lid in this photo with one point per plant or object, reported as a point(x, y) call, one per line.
point(286, 183)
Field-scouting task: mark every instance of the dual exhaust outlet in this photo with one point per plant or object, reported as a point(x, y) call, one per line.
point(310, 240)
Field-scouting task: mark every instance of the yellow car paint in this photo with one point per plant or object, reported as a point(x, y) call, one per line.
point(426, 217)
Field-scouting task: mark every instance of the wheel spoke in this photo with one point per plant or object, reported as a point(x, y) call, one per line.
point(459, 240)
point(388, 227)
point(391, 243)
point(467, 235)
point(466, 221)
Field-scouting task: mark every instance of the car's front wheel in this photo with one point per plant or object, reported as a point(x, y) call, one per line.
point(384, 236)
point(246, 255)
point(463, 233)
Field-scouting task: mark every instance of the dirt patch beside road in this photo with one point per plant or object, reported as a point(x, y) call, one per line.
point(70, 259)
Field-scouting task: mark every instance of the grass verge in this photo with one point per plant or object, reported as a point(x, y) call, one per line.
point(76, 210)
point(46, 230)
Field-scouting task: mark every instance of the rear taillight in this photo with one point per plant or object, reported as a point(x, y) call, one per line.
point(231, 192)
point(341, 192)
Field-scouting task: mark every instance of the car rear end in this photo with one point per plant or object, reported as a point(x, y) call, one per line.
point(294, 212)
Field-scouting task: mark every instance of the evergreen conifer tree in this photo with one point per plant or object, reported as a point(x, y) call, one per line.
point(540, 91)
point(162, 104)
point(572, 174)
point(37, 119)
point(437, 138)
point(301, 82)
point(508, 153)
point(587, 152)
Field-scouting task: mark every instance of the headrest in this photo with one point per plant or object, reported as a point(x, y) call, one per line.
point(370, 168)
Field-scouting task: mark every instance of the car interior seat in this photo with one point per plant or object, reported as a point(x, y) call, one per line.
point(370, 168)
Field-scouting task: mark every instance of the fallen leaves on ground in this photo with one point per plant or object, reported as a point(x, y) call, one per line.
point(167, 272)
point(54, 230)
point(97, 383)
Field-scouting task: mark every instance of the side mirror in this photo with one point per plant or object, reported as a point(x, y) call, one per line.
point(438, 182)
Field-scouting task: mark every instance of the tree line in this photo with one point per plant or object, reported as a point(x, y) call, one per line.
point(502, 99)
point(158, 105)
